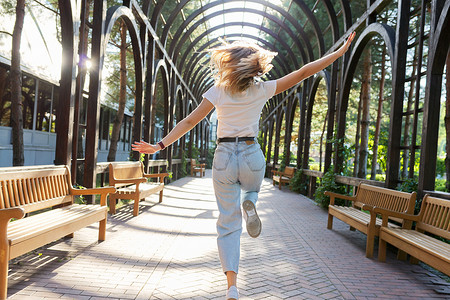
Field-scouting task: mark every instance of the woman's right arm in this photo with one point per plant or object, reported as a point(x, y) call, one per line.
point(178, 131)
point(312, 68)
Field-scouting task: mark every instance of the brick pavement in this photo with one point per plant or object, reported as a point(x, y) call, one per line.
point(169, 252)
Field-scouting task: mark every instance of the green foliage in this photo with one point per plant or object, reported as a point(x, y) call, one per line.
point(344, 150)
point(328, 183)
point(296, 184)
point(184, 164)
point(440, 185)
point(409, 185)
point(210, 157)
point(195, 152)
point(79, 199)
point(8, 7)
point(283, 160)
point(440, 167)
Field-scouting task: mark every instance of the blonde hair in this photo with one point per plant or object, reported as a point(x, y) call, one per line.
point(235, 66)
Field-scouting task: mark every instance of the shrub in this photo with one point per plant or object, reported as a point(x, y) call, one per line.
point(296, 184)
point(328, 183)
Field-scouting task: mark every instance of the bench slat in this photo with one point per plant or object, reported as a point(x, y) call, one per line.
point(24, 229)
point(421, 241)
point(34, 240)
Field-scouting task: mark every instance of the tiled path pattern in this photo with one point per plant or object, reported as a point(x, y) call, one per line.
point(169, 252)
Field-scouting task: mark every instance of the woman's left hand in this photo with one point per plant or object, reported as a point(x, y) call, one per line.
point(144, 147)
point(347, 43)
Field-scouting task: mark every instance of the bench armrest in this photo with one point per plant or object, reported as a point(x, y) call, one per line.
point(7, 214)
point(386, 213)
point(198, 165)
point(333, 195)
point(103, 191)
point(93, 191)
point(161, 176)
point(131, 180)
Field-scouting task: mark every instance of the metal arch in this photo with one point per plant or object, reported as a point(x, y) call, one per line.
point(314, 23)
point(437, 55)
point(112, 15)
point(174, 47)
point(156, 13)
point(266, 30)
point(69, 29)
point(312, 92)
point(388, 35)
point(441, 40)
point(203, 53)
point(178, 92)
point(286, 15)
point(333, 19)
point(125, 13)
point(347, 13)
point(207, 45)
point(252, 25)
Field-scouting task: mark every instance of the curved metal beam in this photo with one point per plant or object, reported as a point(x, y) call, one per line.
point(192, 16)
point(388, 35)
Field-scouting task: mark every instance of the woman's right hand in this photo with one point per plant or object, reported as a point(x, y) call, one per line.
point(144, 147)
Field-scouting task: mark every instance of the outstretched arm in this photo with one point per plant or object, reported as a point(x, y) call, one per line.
point(312, 68)
point(178, 131)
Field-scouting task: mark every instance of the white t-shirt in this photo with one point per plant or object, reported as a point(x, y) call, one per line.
point(238, 115)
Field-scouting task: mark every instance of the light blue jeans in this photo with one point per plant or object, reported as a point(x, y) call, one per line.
point(236, 166)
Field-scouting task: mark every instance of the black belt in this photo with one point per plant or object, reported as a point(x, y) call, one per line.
point(235, 139)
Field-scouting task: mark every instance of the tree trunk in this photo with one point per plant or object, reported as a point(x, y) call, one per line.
point(406, 134)
point(376, 137)
point(358, 136)
point(16, 88)
point(447, 124)
point(122, 95)
point(365, 117)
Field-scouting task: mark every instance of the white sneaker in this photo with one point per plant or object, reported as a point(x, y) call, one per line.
point(232, 293)
point(252, 219)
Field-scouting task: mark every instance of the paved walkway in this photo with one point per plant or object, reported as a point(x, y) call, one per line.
point(169, 252)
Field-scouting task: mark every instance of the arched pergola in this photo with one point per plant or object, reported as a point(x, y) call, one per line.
point(170, 39)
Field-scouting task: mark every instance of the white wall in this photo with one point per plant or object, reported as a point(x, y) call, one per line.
point(39, 148)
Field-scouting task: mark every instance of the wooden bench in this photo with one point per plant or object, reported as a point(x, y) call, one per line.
point(197, 168)
point(48, 192)
point(283, 177)
point(131, 183)
point(367, 197)
point(434, 218)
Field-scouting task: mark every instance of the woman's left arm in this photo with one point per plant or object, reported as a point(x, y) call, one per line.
point(179, 130)
point(312, 68)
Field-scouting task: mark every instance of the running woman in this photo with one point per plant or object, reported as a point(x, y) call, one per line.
point(239, 164)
